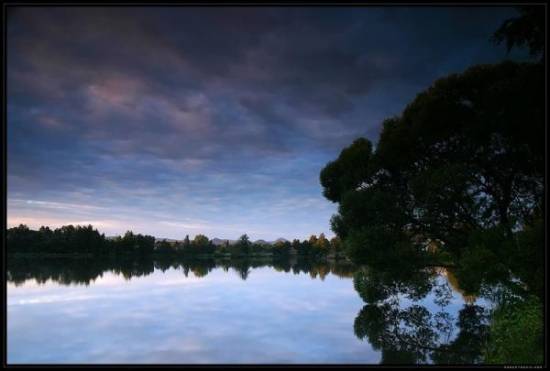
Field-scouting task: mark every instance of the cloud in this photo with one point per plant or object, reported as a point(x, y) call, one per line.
point(56, 205)
point(213, 113)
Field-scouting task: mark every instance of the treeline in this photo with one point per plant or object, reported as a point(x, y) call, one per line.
point(75, 240)
point(87, 241)
point(314, 247)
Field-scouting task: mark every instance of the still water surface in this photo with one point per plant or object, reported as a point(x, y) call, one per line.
point(177, 316)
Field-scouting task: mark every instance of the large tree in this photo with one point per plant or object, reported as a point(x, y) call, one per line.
point(466, 154)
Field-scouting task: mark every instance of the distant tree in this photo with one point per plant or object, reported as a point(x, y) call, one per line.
point(164, 247)
point(177, 246)
point(186, 245)
point(313, 240)
point(244, 244)
point(201, 241)
point(322, 243)
point(244, 239)
point(201, 245)
point(297, 246)
point(281, 249)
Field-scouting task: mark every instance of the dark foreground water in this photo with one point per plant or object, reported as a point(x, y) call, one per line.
point(267, 314)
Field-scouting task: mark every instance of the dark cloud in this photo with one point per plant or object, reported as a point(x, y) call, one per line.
point(196, 112)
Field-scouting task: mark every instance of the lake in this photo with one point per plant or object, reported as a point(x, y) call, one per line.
point(197, 313)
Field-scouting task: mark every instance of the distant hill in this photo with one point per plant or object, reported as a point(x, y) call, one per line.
point(166, 239)
point(262, 242)
point(279, 240)
point(219, 241)
point(215, 241)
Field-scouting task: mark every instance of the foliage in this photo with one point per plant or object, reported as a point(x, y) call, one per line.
point(483, 260)
point(525, 30)
point(491, 257)
point(527, 260)
point(348, 171)
point(516, 333)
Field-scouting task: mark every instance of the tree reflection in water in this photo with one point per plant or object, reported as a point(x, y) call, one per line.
point(85, 271)
point(407, 318)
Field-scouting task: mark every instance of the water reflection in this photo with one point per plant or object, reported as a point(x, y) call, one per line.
point(85, 271)
point(407, 317)
point(288, 311)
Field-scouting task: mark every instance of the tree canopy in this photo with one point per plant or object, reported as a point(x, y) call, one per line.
point(466, 154)
point(527, 29)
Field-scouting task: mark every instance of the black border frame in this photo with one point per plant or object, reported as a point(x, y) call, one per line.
point(212, 3)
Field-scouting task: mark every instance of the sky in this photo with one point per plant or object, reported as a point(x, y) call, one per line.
point(184, 120)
